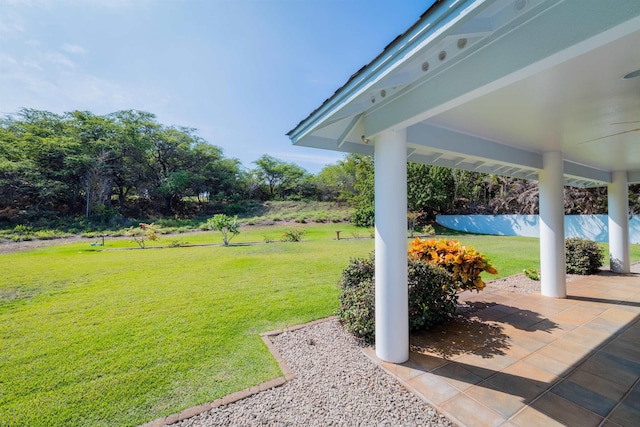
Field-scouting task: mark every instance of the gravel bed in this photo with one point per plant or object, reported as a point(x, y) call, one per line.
point(335, 384)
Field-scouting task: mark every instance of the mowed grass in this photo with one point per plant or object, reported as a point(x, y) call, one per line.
point(121, 337)
point(92, 337)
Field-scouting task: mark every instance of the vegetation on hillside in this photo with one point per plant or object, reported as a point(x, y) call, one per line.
point(118, 169)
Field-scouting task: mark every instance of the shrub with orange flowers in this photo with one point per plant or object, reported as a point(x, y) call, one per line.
point(463, 262)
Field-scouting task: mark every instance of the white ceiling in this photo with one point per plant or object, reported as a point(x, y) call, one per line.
point(518, 78)
point(581, 106)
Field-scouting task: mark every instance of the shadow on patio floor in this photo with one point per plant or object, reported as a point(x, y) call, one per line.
point(527, 360)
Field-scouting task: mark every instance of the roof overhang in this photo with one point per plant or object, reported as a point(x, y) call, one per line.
point(490, 85)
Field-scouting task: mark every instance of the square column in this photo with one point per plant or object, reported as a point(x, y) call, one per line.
point(392, 293)
point(618, 198)
point(552, 248)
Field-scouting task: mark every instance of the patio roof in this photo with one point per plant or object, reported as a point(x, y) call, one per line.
point(491, 85)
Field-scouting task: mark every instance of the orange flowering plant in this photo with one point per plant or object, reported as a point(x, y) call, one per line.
point(463, 262)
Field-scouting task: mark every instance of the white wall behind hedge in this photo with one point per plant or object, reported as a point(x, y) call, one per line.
point(593, 227)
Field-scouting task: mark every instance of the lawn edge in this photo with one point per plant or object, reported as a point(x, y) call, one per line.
point(247, 392)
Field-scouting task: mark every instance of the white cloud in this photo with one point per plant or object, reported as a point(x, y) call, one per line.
point(59, 59)
point(10, 26)
point(74, 48)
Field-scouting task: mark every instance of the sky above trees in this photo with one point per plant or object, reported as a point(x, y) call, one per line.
point(242, 72)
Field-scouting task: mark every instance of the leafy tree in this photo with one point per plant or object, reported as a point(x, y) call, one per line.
point(282, 179)
point(226, 225)
point(430, 189)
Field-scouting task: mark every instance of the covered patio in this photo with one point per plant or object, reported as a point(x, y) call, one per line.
point(528, 360)
point(538, 89)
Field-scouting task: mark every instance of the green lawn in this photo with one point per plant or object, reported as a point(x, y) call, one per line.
point(121, 337)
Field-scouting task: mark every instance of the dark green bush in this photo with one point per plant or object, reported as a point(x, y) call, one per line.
point(583, 256)
point(364, 216)
point(432, 297)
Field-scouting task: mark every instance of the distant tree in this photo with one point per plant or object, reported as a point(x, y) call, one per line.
point(337, 182)
point(282, 179)
point(430, 189)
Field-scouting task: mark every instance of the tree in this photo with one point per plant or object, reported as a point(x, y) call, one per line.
point(430, 189)
point(282, 179)
point(77, 162)
point(226, 225)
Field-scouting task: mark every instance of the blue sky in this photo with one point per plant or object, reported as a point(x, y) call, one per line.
point(242, 72)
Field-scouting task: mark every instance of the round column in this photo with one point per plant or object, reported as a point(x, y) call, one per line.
point(552, 251)
point(392, 307)
point(618, 199)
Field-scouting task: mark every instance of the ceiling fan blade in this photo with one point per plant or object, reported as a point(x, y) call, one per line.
point(609, 136)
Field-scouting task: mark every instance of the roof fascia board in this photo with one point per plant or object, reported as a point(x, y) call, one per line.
point(424, 32)
point(441, 139)
point(331, 144)
point(633, 177)
point(464, 81)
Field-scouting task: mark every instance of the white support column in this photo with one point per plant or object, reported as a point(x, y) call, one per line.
point(392, 306)
point(552, 256)
point(618, 196)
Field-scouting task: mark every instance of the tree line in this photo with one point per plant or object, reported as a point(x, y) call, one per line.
point(126, 164)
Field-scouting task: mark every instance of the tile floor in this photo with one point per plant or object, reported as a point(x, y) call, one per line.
point(529, 360)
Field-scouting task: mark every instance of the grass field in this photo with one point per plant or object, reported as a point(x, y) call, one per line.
point(93, 336)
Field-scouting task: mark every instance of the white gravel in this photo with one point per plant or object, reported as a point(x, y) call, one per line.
point(335, 384)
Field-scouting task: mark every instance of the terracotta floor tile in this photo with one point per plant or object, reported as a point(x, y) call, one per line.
point(507, 309)
point(424, 362)
point(575, 315)
point(635, 309)
point(561, 353)
point(522, 319)
point(617, 369)
point(621, 317)
point(491, 314)
point(587, 308)
point(600, 385)
point(565, 412)
point(587, 337)
point(586, 398)
point(545, 335)
point(625, 415)
point(574, 347)
point(633, 398)
point(549, 364)
point(531, 417)
point(516, 352)
point(624, 348)
point(632, 333)
point(504, 404)
point(484, 367)
point(471, 413)
point(609, 423)
point(524, 388)
point(603, 325)
point(456, 375)
point(528, 341)
point(433, 388)
point(526, 370)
